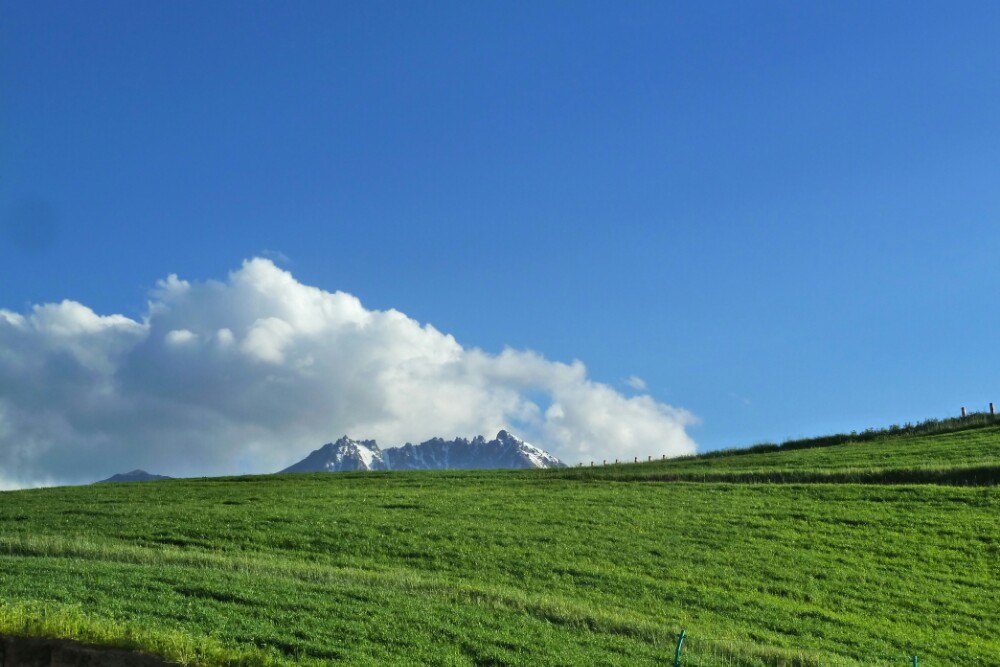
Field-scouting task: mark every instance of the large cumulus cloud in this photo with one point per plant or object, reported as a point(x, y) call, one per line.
point(249, 374)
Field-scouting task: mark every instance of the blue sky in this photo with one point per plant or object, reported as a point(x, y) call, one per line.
point(782, 216)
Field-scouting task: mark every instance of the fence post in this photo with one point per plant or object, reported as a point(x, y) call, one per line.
point(677, 651)
point(916, 661)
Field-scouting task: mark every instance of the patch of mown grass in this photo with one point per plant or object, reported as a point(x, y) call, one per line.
point(527, 567)
point(38, 619)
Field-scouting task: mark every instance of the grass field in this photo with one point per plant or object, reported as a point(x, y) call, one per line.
point(573, 567)
point(967, 456)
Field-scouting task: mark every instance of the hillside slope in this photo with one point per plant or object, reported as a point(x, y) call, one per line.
point(970, 456)
point(520, 567)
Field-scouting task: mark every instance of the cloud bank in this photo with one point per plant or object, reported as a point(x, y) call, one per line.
point(250, 374)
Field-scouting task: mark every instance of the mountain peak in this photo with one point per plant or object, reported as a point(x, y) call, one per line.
point(504, 451)
point(506, 436)
point(345, 454)
point(136, 475)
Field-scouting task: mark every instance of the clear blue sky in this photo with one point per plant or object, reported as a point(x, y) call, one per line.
point(783, 216)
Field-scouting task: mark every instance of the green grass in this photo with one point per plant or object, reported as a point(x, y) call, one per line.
point(571, 567)
point(968, 456)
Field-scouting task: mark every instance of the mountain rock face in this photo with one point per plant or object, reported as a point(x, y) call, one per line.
point(504, 451)
point(134, 476)
point(345, 454)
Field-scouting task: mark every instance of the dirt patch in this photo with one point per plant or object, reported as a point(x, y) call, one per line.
point(36, 652)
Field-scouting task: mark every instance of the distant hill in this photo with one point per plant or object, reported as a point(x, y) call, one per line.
point(134, 476)
point(504, 451)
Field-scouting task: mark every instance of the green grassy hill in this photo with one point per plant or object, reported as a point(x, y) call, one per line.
point(569, 567)
point(956, 456)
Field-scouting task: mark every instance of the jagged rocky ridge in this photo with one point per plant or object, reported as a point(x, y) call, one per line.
point(504, 451)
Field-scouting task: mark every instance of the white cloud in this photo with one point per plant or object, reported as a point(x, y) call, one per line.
point(276, 256)
point(180, 337)
point(250, 374)
point(636, 382)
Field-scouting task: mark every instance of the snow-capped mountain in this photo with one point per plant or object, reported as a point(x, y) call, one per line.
point(133, 476)
point(504, 451)
point(345, 454)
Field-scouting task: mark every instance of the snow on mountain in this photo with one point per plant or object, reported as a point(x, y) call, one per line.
point(345, 454)
point(504, 451)
point(535, 457)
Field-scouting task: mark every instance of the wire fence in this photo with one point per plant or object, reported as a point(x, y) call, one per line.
point(713, 652)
